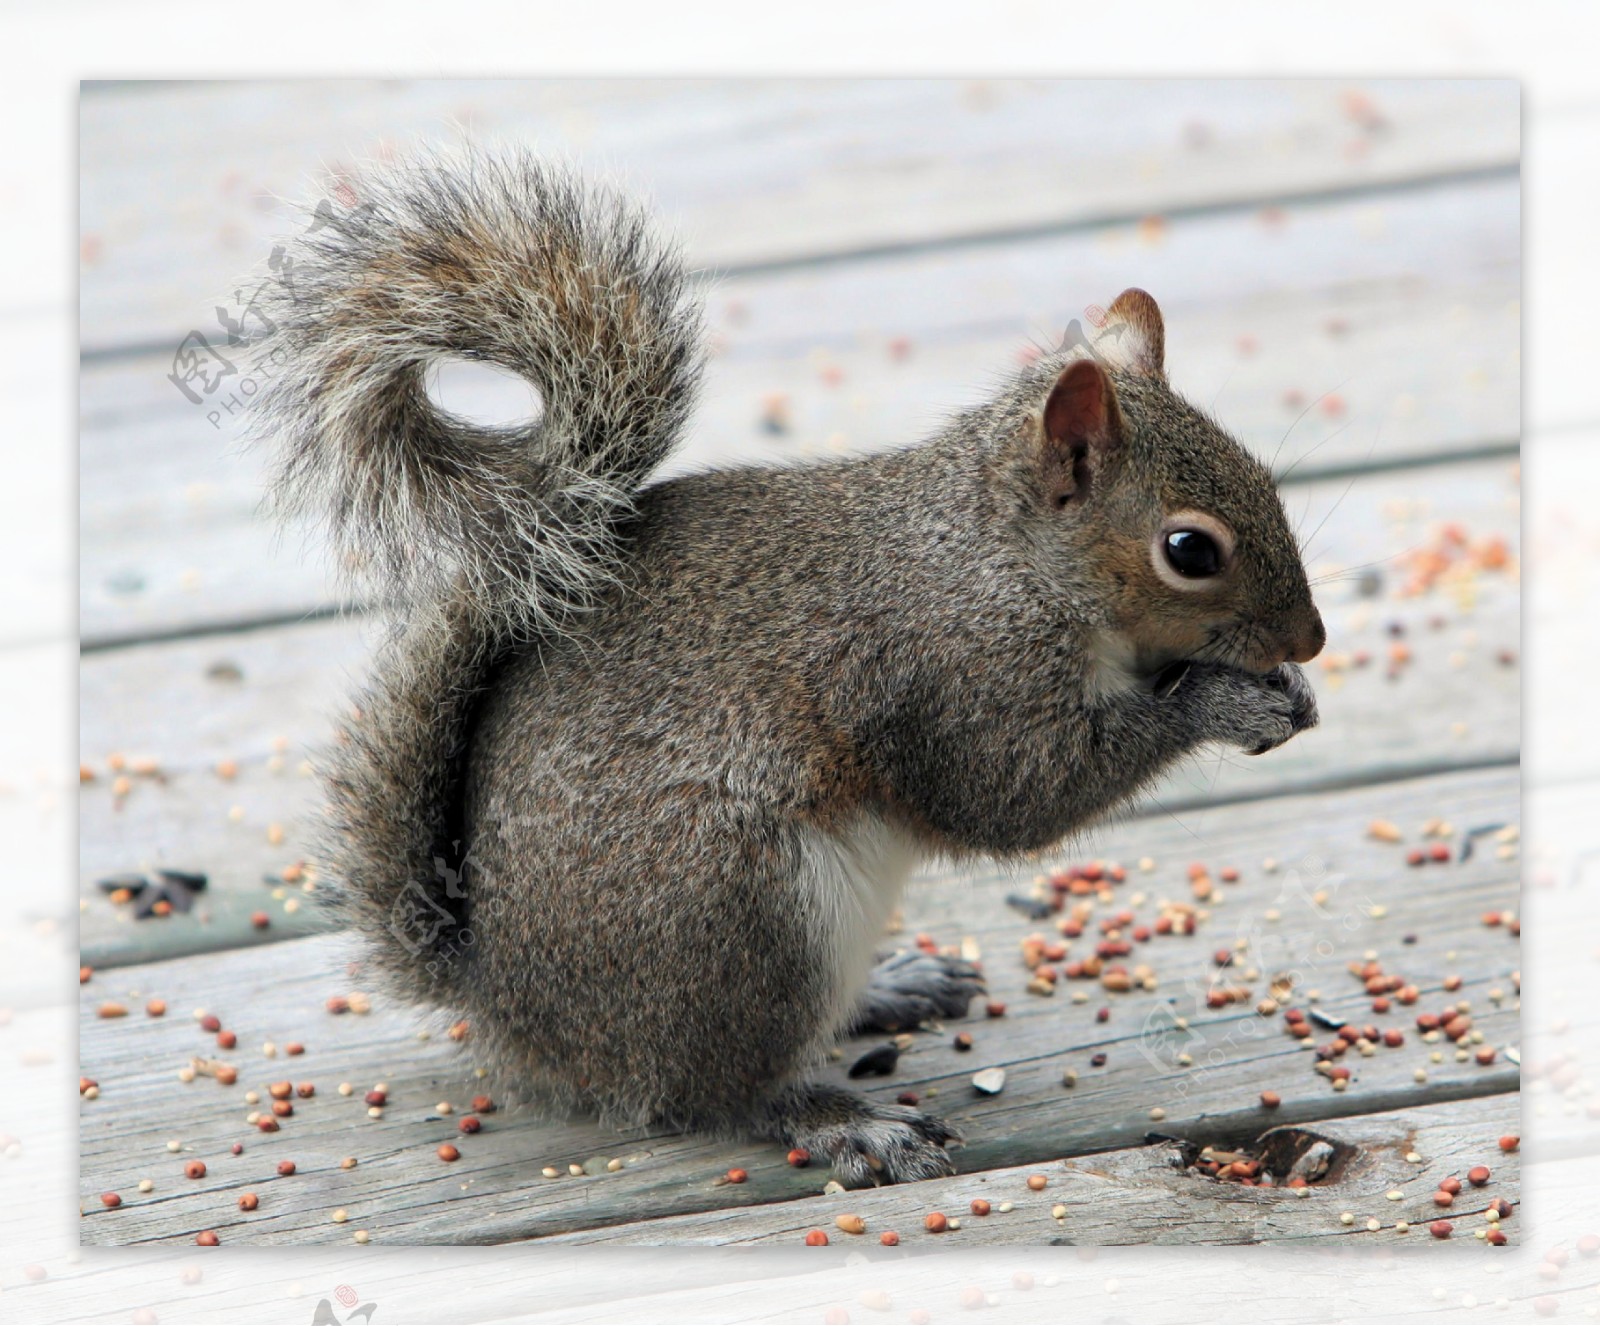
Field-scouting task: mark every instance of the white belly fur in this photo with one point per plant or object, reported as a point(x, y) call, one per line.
point(851, 882)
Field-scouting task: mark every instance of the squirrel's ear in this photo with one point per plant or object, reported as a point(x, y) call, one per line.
point(1082, 430)
point(1133, 334)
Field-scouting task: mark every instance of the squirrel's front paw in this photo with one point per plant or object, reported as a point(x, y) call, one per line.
point(1257, 713)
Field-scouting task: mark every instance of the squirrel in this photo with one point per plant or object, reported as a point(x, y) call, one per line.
point(642, 767)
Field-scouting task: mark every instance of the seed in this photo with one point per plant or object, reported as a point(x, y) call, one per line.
point(285, 1168)
point(110, 1009)
point(980, 1207)
point(963, 1041)
point(1451, 1186)
point(1345, 1217)
point(851, 1224)
point(575, 1170)
point(815, 1238)
point(482, 1105)
point(1439, 852)
point(147, 1185)
point(1441, 1229)
point(1497, 1236)
point(935, 1222)
point(1158, 1114)
point(248, 1201)
point(294, 1047)
point(448, 1153)
point(261, 921)
point(1385, 831)
point(470, 1123)
point(1510, 1142)
point(889, 1238)
point(1270, 1100)
point(995, 1009)
point(210, 1022)
point(1501, 1208)
point(799, 1157)
point(1478, 1175)
point(110, 1200)
point(1394, 1038)
point(338, 1004)
point(206, 1238)
point(377, 1098)
point(195, 1169)
point(1037, 1182)
point(1589, 1244)
point(267, 1124)
point(1442, 1198)
point(361, 1236)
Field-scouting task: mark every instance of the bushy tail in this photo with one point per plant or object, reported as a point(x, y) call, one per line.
point(483, 536)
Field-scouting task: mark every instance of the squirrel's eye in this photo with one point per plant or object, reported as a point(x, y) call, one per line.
point(1192, 553)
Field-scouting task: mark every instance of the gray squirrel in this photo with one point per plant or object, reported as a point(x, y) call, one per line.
point(642, 768)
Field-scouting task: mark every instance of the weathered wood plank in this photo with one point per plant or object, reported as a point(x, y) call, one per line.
point(1339, 895)
point(1144, 1195)
point(752, 172)
point(1455, 703)
point(172, 538)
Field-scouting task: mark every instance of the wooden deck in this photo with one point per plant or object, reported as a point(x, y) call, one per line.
point(1342, 292)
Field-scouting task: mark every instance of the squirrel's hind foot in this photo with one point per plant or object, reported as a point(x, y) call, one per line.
point(907, 989)
point(865, 1142)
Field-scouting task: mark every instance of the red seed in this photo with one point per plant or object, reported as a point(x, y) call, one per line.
point(260, 920)
point(1394, 1037)
point(907, 1098)
point(210, 1022)
point(737, 1175)
point(889, 1238)
point(470, 1123)
point(84, 973)
point(1439, 852)
point(1442, 1198)
point(1478, 1175)
point(1589, 1244)
point(226, 1075)
point(1501, 1208)
point(799, 1157)
point(305, 1090)
point(815, 1238)
point(1038, 1182)
point(1485, 1055)
point(1510, 1142)
point(1416, 856)
point(338, 1004)
point(110, 1200)
point(236, 1149)
point(935, 1222)
point(447, 1153)
point(963, 1041)
point(206, 1238)
point(286, 1168)
point(293, 1048)
point(377, 1098)
point(195, 1169)
point(995, 1009)
point(1497, 1236)
point(1451, 1186)
point(282, 1108)
point(248, 1201)
point(1380, 1005)
point(267, 1124)
point(1102, 1015)
point(227, 1039)
point(156, 1008)
point(482, 1105)
point(1441, 1229)
point(1271, 1100)
point(980, 1207)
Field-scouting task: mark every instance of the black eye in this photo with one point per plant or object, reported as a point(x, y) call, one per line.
point(1192, 553)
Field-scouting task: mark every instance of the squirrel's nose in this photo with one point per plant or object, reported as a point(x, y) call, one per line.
point(1308, 643)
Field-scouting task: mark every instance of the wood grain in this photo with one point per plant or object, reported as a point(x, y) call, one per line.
point(1326, 897)
point(1326, 380)
point(1455, 703)
point(180, 180)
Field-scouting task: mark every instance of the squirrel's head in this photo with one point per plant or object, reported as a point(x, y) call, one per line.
point(1181, 529)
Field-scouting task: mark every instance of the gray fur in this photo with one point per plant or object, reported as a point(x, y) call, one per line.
point(636, 745)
